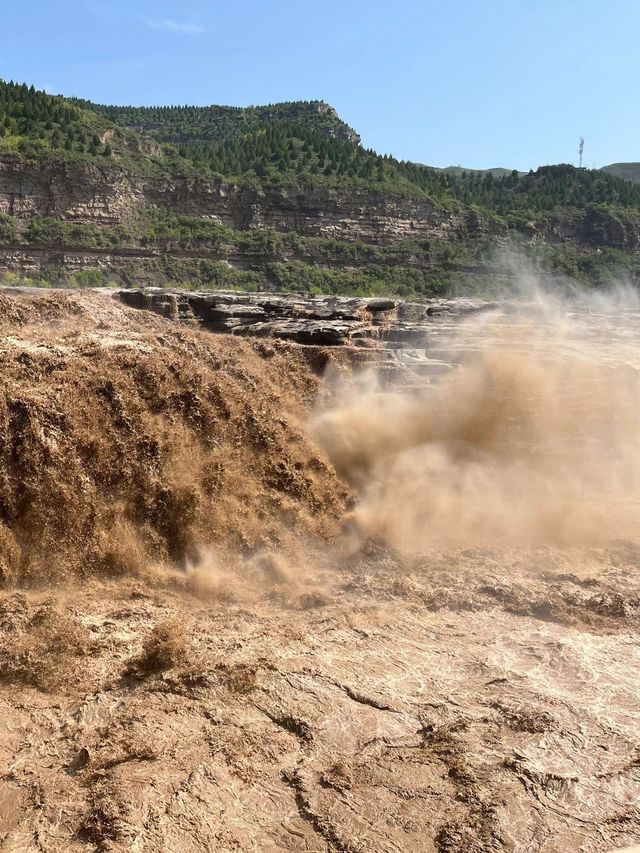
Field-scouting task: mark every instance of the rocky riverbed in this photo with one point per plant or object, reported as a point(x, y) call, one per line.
point(319, 320)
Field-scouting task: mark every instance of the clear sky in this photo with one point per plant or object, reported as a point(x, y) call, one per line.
point(475, 82)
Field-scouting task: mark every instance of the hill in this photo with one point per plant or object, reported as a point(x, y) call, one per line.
point(280, 197)
point(34, 123)
point(286, 142)
point(628, 171)
point(222, 123)
point(497, 172)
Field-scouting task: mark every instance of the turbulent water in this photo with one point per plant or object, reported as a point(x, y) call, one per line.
point(434, 650)
point(533, 438)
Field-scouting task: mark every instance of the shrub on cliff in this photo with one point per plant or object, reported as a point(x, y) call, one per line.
point(8, 230)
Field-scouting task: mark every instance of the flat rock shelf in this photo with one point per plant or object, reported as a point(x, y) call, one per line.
point(319, 320)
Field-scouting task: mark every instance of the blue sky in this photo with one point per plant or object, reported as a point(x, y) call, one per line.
point(496, 83)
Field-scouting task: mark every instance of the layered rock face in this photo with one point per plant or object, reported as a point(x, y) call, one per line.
point(79, 192)
point(320, 320)
point(105, 195)
point(108, 196)
point(408, 344)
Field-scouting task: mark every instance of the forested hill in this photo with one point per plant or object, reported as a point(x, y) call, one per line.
point(301, 143)
point(628, 171)
point(36, 124)
point(146, 182)
point(223, 124)
point(33, 122)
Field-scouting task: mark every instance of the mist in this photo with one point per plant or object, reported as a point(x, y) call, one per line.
point(530, 438)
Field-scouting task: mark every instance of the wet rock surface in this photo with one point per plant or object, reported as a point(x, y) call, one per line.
point(403, 340)
point(320, 320)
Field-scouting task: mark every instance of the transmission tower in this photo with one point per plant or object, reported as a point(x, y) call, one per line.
point(580, 150)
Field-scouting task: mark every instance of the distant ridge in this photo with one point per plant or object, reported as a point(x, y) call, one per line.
point(628, 171)
point(497, 171)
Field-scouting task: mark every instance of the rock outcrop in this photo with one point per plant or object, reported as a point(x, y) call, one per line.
point(106, 195)
point(408, 344)
point(320, 320)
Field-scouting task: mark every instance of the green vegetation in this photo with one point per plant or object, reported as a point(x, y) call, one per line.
point(57, 277)
point(628, 171)
point(189, 251)
point(595, 269)
point(296, 146)
point(547, 189)
point(221, 124)
point(296, 143)
point(33, 122)
point(47, 231)
point(8, 229)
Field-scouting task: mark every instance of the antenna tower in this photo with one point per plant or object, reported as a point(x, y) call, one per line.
point(580, 150)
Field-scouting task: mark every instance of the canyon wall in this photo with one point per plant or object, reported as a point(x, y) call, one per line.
point(106, 195)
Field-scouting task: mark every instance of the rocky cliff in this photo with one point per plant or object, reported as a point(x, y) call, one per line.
point(282, 197)
point(105, 195)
